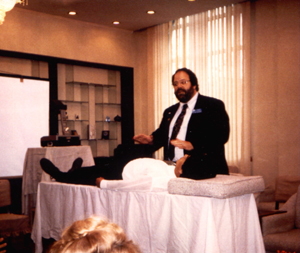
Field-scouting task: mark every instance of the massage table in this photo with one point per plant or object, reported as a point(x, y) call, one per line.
point(192, 216)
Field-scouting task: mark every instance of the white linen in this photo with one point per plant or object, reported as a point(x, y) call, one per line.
point(142, 174)
point(159, 222)
point(62, 157)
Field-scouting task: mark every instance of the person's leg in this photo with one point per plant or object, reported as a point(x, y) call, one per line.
point(76, 175)
point(51, 169)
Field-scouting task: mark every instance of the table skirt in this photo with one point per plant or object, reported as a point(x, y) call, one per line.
point(157, 221)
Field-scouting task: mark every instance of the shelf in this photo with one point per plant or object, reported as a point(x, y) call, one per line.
point(82, 86)
point(109, 104)
point(97, 121)
point(108, 122)
point(92, 95)
point(111, 139)
point(86, 102)
point(94, 84)
point(76, 120)
point(73, 101)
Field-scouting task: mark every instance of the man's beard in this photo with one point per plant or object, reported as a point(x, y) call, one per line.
point(186, 96)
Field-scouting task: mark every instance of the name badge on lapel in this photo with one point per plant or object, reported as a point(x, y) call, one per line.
point(197, 110)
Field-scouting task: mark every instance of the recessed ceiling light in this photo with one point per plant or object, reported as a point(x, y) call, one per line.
point(150, 12)
point(72, 13)
point(191, 0)
point(116, 22)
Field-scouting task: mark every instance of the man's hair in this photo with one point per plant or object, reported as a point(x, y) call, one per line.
point(192, 76)
point(94, 235)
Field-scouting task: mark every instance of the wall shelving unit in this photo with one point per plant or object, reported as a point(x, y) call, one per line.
point(93, 94)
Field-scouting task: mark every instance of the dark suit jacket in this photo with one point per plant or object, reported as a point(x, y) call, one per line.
point(208, 131)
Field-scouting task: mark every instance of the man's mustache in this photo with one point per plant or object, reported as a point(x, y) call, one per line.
point(180, 89)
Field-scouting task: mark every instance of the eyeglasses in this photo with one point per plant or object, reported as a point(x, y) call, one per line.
point(182, 82)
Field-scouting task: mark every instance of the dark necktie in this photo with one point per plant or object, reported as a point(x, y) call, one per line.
point(175, 131)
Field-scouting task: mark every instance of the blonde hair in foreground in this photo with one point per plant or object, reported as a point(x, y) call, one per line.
point(94, 235)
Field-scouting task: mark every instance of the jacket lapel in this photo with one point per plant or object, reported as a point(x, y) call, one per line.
point(172, 112)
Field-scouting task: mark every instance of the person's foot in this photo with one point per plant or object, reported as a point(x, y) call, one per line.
point(50, 168)
point(76, 164)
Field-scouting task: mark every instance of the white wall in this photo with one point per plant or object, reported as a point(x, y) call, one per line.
point(37, 33)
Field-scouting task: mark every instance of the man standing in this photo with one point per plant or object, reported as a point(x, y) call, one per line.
point(193, 131)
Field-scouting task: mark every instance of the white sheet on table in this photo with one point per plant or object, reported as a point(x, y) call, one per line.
point(159, 222)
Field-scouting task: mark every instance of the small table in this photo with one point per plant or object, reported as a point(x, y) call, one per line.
point(62, 157)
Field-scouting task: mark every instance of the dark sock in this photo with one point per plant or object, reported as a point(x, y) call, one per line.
point(51, 169)
point(76, 164)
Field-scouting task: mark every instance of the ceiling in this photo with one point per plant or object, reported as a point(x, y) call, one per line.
point(132, 14)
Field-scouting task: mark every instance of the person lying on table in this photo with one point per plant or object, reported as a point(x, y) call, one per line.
point(143, 174)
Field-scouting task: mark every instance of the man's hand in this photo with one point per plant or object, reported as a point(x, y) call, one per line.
point(143, 139)
point(179, 163)
point(2, 245)
point(98, 181)
point(182, 144)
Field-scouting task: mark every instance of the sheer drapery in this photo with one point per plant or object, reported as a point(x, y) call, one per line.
point(214, 45)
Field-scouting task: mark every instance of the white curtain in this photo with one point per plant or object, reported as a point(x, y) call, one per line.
point(214, 45)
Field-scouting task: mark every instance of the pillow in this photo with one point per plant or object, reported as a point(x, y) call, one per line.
point(222, 186)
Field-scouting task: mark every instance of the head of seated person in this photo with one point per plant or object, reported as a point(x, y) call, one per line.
point(94, 235)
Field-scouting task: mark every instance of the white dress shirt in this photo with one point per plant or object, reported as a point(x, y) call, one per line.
point(142, 174)
point(183, 129)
